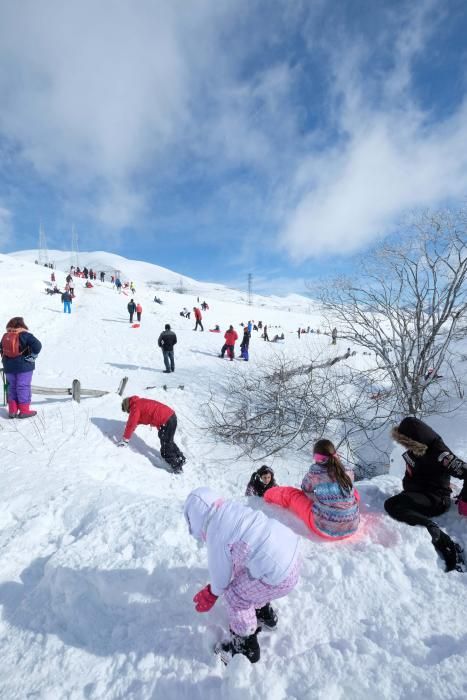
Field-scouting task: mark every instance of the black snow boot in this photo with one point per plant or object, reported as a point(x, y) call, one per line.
point(248, 646)
point(448, 550)
point(266, 616)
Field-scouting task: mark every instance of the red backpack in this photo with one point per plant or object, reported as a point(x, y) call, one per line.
point(10, 345)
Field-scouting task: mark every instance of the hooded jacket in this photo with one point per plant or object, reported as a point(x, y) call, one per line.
point(424, 457)
point(29, 347)
point(272, 548)
point(146, 412)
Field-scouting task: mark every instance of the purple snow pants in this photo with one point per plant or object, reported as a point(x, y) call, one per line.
point(245, 595)
point(19, 387)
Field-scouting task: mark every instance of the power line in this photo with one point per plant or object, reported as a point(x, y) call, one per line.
point(43, 253)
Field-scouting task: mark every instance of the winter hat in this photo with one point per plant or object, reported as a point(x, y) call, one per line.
point(265, 470)
point(197, 506)
point(167, 326)
point(415, 435)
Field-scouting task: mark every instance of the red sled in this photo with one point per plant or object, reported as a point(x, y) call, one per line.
point(136, 325)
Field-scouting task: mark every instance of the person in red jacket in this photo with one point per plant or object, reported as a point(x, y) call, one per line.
point(230, 338)
point(198, 318)
point(162, 417)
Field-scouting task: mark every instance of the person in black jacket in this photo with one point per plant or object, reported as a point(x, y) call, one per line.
point(430, 464)
point(131, 306)
point(261, 480)
point(167, 340)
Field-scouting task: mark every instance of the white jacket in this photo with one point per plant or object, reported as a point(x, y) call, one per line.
point(273, 547)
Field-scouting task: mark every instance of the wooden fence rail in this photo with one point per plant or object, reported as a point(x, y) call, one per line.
point(75, 391)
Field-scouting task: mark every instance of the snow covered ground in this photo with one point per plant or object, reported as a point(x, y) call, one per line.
point(97, 568)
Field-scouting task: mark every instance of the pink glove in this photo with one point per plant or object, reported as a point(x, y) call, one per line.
point(462, 507)
point(205, 599)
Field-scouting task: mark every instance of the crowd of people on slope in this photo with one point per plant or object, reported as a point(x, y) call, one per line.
point(253, 559)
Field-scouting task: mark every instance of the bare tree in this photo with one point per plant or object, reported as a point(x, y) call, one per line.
point(267, 411)
point(407, 308)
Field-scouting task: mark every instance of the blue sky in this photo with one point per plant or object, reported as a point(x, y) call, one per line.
point(278, 137)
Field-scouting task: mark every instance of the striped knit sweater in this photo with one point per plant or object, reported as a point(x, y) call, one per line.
point(336, 512)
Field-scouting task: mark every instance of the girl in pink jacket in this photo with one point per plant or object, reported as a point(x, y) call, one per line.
point(327, 503)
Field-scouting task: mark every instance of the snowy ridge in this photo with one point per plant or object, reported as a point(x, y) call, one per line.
point(98, 570)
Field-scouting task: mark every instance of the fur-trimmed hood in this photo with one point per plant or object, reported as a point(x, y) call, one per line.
point(414, 435)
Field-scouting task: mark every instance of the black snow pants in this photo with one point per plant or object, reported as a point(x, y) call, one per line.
point(416, 508)
point(169, 450)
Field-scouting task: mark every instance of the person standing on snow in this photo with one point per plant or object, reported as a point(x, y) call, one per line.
point(334, 336)
point(19, 349)
point(229, 345)
point(162, 417)
point(167, 340)
point(252, 559)
point(429, 466)
point(67, 300)
point(139, 311)
point(198, 317)
point(131, 306)
point(244, 345)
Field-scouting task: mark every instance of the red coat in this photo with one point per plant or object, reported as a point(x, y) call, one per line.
point(198, 315)
point(146, 412)
point(230, 337)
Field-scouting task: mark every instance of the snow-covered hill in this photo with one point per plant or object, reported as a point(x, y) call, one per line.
point(97, 568)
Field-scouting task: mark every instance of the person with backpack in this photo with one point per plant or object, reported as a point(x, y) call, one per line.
point(198, 317)
point(429, 466)
point(139, 311)
point(327, 502)
point(162, 417)
point(67, 299)
point(131, 306)
point(19, 349)
point(252, 559)
point(167, 340)
point(230, 337)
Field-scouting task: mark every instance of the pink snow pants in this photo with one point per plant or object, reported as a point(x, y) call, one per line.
point(245, 595)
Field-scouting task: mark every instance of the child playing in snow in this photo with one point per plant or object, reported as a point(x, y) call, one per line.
point(327, 502)
point(252, 559)
point(260, 482)
point(19, 350)
point(426, 493)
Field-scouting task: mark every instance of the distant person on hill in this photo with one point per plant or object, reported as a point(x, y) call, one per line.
point(265, 333)
point(245, 344)
point(252, 559)
point(261, 480)
point(230, 337)
point(132, 288)
point(327, 502)
point(131, 306)
point(249, 327)
point(299, 333)
point(216, 329)
point(198, 317)
point(166, 342)
point(157, 300)
point(118, 284)
point(102, 276)
point(334, 336)
point(429, 466)
point(160, 416)
point(19, 349)
point(185, 313)
point(66, 300)
point(139, 311)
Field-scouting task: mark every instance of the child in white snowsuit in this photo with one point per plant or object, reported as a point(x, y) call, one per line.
point(252, 559)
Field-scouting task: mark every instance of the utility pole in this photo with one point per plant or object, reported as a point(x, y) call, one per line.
point(250, 280)
point(74, 248)
point(43, 253)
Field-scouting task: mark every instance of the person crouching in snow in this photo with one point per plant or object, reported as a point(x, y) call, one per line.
point(252, 559)
point(19, 349)
point(426, 493)
point(261, 481)
point(162, 417)
point(327, 502)
point(230, 338)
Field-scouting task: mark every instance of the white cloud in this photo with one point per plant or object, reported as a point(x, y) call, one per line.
point(390, 156)
point(6, 228)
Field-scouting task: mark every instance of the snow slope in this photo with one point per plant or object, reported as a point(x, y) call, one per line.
point(98, 570)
